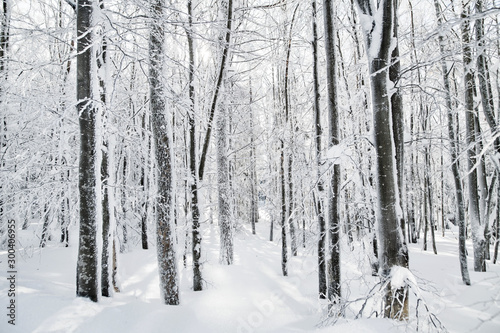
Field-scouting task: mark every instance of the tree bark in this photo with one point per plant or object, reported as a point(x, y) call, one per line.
point(167, 265)
point(333, 265)
point(474, 214)
point(86, 271)
point(460, 208)
point(225, 224)
point(288, 120)
point(218, 85)
point(254, 200)
point(195, 210)
point(318, 132)
point(390, 245)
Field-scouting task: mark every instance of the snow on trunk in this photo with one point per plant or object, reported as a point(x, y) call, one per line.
point(380, 38)
point(87, 272)
point(167, 263)
point(225, 223)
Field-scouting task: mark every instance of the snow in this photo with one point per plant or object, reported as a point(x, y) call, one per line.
point(249, 296)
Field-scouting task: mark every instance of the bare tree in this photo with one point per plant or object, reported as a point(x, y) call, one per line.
point(471, 138)
point(333, 263)
point(320, 187)
point(462, 254)
point(390, 244)
point(86, 271)
point(163, 150)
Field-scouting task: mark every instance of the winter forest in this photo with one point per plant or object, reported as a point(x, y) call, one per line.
point(249, 166)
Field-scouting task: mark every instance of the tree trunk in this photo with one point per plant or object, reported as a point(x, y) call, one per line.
point(225, 223)
point(460, 208)
point(333, 266)
point(106, 230)
point(145, 185)
point(288, 120)
point(106, 185)
point(86, 271)
point(254, 200)
point(218, 85)
point(318, 132)
point(195, 211)
point(390, 245)
point(474, 214)
point(167, 265)
point(284, 255)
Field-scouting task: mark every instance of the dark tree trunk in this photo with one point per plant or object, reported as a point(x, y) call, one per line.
point(86, 271)
point(145, 186)
point(333, 263)
point(106, 230)
point(218, 85)
point(318, 132)
point(195, 212)
point(390, 245)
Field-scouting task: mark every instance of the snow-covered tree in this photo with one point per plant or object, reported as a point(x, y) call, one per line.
point(162, 137)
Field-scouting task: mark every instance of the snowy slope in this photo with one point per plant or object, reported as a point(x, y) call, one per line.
point(250, 296)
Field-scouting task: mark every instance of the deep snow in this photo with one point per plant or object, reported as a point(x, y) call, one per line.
point(250, 296)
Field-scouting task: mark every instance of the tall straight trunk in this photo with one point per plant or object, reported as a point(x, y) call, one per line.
point(428, 188)
point(483, 187)
point(428, 199)
point(333, 265)
point(283, 179)
point(291, 203)
point(289, 121)
point(284, 255)
point(254, 208)
point(167, 266)
point(225, 224)
point(317, 133)
point(459, 197)
point(87, 279)
point(107, 230)
point(107, 233)
point(398, 126)
point(223, 181)
point(412, 184)
point(488, 104)
point(390, 244)
point(123, 221)
point(195, 210)
point(144, 185)
point(474, 213)
point(397, 115)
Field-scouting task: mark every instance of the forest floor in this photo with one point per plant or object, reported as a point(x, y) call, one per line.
point(249, 296)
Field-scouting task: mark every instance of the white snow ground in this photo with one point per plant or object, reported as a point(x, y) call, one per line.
point(250, 296)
